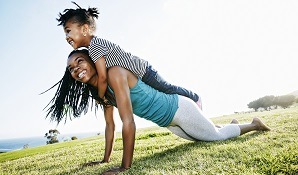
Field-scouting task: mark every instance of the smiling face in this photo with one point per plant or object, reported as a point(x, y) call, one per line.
point(76, 34)
point(82, 68)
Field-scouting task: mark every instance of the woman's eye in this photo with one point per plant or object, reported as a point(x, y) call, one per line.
point(70, 70)
point(80, 60)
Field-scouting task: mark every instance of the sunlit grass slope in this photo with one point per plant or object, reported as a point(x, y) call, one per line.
point(157, 151)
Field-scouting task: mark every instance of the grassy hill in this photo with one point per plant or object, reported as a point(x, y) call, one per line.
point(295, 93)
point(157, 151)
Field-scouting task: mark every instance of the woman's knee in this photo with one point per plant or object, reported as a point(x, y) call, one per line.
point(179, 132)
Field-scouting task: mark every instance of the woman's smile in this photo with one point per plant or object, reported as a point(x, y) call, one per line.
point(82, 74)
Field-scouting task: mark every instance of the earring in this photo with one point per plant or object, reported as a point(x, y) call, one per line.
point(84, 34)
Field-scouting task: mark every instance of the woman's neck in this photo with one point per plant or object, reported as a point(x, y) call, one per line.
point(94, 81)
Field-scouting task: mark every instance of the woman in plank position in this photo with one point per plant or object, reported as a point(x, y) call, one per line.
point(131, 96)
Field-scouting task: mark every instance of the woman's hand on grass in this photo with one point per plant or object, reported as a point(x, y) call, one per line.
point(114, 170)
point(95, 163)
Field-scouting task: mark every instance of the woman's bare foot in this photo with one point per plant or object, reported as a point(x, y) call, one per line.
point(234, 121)
point(260, 125)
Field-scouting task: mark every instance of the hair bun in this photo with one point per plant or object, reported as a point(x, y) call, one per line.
point(93, 12)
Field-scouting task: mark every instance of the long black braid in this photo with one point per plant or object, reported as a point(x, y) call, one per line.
point(79, 15)
point(72, 97)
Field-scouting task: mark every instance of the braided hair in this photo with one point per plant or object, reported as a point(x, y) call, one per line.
point(79, 15)
point(72, 97)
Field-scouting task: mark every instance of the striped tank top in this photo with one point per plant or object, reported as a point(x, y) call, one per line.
point(116, 56)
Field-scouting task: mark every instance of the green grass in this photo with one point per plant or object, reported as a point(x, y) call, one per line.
point(157, 151)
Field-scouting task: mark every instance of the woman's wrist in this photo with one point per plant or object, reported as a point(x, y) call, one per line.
point(105, 160)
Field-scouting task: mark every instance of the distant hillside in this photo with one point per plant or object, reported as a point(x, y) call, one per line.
point(295, 93)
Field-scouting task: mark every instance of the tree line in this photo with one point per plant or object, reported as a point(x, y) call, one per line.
point(268, 102)
point(52, 136)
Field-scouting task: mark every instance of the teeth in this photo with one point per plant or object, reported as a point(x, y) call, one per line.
point(81, 74)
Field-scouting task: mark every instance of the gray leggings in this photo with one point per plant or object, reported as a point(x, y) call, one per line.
point(189, 123)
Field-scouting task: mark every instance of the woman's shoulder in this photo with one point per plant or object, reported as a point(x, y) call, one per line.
point(116, 70)
point(117, 74)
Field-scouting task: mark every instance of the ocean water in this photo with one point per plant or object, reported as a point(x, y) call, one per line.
point(7, 145)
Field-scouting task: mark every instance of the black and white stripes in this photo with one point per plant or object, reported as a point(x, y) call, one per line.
point(116, 56)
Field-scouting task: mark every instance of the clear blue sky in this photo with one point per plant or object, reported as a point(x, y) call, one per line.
point(230, 52)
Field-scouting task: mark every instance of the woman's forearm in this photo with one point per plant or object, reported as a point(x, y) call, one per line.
point(109, 142)
point(128, 135)
point(109, 132)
